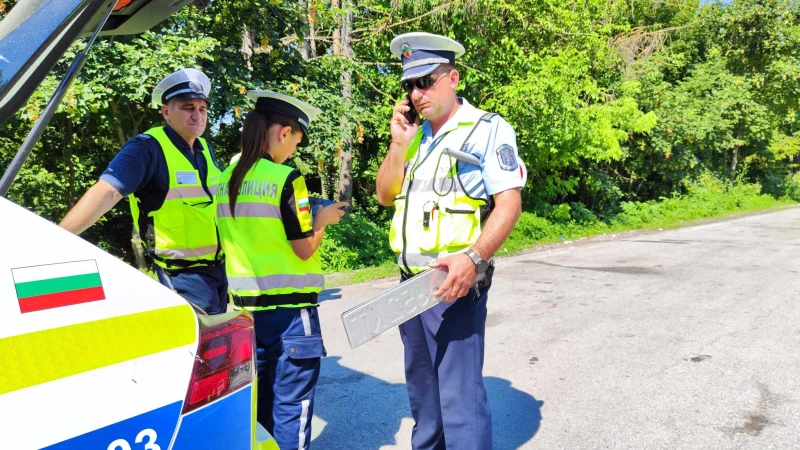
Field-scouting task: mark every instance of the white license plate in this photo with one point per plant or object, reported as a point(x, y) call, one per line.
point(393, 307)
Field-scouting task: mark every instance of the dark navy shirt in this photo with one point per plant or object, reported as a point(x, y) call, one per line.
point(140, 167)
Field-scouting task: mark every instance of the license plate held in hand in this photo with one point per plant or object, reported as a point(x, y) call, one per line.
point(393, 307)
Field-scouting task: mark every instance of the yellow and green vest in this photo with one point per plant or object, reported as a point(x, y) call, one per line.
point(184, 234)
point(263, 271)
point(433, 212)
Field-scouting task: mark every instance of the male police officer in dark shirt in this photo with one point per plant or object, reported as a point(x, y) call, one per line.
point(169, 174)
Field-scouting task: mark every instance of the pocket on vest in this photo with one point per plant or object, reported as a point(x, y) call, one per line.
point(461, 225)
point(201, 220)
point(426, 235)
point(171, 218)
point(170, 229)
point(396, 230)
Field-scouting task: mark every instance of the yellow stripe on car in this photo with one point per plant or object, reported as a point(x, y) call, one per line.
point(42, 356)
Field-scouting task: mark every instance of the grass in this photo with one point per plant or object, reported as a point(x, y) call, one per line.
point(385, 270)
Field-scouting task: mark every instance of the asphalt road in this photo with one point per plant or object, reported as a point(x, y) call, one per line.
point(683, 339)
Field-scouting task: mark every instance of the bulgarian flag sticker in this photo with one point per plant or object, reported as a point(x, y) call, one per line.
point(302, 204)
point(57, 285)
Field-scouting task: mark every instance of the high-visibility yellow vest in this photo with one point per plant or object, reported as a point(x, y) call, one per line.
point(263, 271)
point(433, 212)
point(184, 234)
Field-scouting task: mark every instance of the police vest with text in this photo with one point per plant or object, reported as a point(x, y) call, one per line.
point(434, 213)
point(181, 233)
point(263, 271)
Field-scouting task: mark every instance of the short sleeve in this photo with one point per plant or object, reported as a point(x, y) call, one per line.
point(133, 167)
point(502, 168)
point(295, 208)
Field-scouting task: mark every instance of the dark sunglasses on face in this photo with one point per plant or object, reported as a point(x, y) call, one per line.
point(422, 82)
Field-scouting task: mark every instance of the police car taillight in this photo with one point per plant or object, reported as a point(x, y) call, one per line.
point(224, 362)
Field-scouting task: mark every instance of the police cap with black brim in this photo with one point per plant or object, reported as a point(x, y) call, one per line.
point(422, 53)
point(288, 106)
point(182, 84)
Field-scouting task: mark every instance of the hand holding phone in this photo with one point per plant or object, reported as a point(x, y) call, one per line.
point(316, 202)
point(404, 124)
point(411, 115)
point(330, 214)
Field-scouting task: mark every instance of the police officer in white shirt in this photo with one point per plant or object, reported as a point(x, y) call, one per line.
point(455, 181)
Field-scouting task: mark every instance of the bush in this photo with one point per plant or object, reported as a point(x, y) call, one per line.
point(581, 214)
point(707, 197)
point(793, 188)
point(355, 243)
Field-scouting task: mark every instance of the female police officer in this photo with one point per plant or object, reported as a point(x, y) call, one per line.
point(270, 240)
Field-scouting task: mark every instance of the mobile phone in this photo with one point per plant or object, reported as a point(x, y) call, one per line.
point(316, 201)
point(412, 114)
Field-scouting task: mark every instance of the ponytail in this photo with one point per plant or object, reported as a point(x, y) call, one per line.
point(255, 145)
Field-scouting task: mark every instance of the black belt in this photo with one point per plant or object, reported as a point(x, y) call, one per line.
point(183, 264)
point(265, 301)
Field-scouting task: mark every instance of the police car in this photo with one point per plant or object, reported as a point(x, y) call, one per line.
point(93, 353)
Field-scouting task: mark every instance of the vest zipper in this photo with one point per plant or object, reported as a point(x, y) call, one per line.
point(405, 219)
point(408, 193)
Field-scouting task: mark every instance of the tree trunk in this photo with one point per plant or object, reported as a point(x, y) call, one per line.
point(247, 46)
point(68, 160)
point(337, 32)
point(346, 155)
point(120, 131)
point(309, 49)
point(312, 31)
point(322, 178)
point(734, 161)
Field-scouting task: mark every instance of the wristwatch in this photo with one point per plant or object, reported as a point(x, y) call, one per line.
point(480, 264)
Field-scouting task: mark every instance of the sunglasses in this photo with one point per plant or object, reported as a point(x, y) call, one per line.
point(422, 82)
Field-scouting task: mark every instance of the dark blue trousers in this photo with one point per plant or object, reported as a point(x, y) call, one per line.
point(206, 287)
point(444, 375)
point(288, 351)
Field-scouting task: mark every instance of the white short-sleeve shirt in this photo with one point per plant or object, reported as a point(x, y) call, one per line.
point(493, 142)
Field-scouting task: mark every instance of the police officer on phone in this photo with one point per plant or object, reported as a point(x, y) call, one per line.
point(454, 214)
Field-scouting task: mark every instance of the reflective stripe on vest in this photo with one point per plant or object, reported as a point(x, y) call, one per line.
point(186, 192)
point(184, 231)
point(434, 213)
point(250, 209)
point(418, 260)
point(269, 282)
point(188, 253)
point(259, 260)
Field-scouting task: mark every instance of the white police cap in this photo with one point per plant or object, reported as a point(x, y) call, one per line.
point(182, 84)
point(422, 53)
point(288, 106)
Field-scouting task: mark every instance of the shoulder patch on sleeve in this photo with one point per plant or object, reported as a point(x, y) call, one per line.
point(302, 205)
point(507, 157)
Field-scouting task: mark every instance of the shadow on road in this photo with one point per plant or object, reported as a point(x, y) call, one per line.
point(364, 412)
point(516, 415)
point(329, 294)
